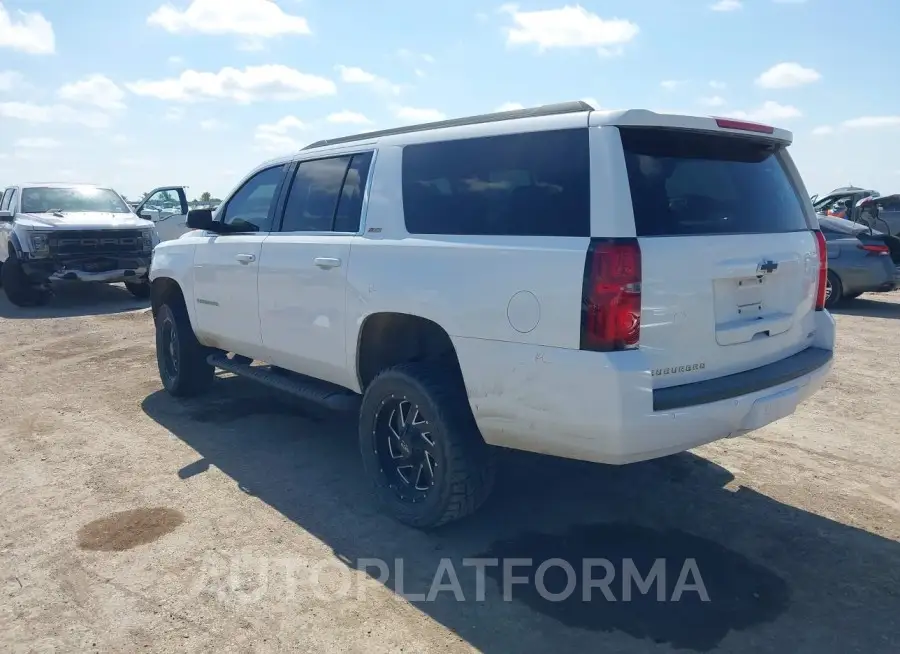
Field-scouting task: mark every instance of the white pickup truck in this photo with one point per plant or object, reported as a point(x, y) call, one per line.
point(606, 287)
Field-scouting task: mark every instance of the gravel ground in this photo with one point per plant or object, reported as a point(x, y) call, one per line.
point(132, 522)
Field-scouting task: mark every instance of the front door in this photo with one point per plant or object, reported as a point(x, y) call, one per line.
point(167, 207)
point(226, 267)
point(303, 268)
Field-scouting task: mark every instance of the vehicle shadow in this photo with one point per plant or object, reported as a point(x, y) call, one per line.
point(72, 299)
point(777, 578)
point(868, 307)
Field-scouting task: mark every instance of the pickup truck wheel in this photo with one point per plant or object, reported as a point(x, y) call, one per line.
point(179, 356)
point(140, 290)
point(18, 288)
point(421, 447)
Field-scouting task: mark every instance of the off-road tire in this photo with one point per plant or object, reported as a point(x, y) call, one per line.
point(465, 463)
point(19, 290)
point(192, 375)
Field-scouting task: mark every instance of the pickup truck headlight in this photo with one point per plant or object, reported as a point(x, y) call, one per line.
point(147, 237)
point(40, 245)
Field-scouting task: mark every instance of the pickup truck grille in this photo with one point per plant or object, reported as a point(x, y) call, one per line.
point(96, 241)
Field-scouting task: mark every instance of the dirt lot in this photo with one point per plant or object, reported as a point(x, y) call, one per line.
point(132, 522)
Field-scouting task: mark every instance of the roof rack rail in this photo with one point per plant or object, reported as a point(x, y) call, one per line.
point(577, 106)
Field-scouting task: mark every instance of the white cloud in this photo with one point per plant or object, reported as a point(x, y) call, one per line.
point(823, 130)
point(278, 136)
point(719, 86)
point(56, 113)
point(872, 122)
point(97, 90)
point(727, 5)
point(37, 143)
point(348, 118)
point(175, 60)
point(252, 84)
point(418, 115)
point(510, 106)
point(787, 75)
point(26, 31)
point(254, 18)
point(672, 84)
point(403, 53)
point(211, 125)
point(355, 75)
point(9, 79)
point(769, 111)
point(568, 27)
point(713, 101)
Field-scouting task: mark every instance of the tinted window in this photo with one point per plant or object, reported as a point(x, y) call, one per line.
point(686, 183)
point(11, 201)
point(534, 184)
point(350, 204)
point(250, 209)
point(5, 201)
point(314, 195)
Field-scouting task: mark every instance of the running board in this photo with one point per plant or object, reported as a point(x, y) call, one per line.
point(306, 388)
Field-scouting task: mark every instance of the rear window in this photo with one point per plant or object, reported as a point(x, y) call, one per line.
point(532, 184)
point(687, 183)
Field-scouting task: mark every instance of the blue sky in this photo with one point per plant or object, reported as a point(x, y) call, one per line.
point(145, 93)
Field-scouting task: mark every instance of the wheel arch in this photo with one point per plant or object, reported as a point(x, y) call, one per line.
point(389, 338)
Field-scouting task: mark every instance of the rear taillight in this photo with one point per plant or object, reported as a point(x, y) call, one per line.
point(611, 296)
point(875, 250)
point(823, 270)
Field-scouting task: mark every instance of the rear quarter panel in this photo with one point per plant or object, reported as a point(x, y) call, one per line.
point(503, 288)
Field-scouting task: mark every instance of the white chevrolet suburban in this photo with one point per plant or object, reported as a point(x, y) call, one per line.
point(605, 287)
point(87, 233)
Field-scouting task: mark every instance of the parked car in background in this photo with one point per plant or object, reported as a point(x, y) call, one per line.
point(860, 260)
point(167, 208)
point(87, 233)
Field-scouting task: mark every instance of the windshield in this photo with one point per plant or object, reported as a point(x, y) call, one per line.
point(73, 199)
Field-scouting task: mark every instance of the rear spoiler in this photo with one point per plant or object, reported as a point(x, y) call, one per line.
point(710, 124)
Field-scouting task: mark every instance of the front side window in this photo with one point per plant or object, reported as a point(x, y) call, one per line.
point(72, 199)
point(250, 209)
point(531, 184)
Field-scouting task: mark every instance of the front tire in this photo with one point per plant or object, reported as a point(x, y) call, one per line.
point(140, 290)
point(18, 288)
point(181, 359)
point(834, 290)
point(421, 447)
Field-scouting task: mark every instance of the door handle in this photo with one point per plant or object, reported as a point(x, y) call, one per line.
point(327, 262)
point(245, 258)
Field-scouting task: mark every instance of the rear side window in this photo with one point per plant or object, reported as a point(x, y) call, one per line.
point(687, 183)
point(533, 184)
point(6, 200)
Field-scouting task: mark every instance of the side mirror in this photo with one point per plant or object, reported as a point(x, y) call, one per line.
point(6, 216)
point(201, 219)
point(145, 215)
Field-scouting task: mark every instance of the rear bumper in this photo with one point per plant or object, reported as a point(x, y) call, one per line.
point(600, 407)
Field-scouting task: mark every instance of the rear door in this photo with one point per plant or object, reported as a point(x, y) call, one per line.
point(303, 267)
point(729, 261)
